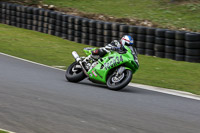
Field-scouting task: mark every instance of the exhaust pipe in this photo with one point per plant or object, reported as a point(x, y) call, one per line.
point(78, 59)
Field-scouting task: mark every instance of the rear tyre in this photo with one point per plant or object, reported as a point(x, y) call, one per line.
point(74, 73)
point(121, 82)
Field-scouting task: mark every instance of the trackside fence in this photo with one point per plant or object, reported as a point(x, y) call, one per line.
point(164, 43)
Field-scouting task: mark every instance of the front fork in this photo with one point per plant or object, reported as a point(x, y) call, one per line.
point(120, 71)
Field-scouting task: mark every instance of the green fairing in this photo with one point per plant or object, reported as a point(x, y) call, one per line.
point(89, 52)
point(111, 61)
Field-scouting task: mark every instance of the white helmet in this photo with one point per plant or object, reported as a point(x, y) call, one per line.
point(127, 40)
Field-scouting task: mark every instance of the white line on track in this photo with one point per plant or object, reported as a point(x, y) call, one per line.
point(146, 87)
point(167, 91)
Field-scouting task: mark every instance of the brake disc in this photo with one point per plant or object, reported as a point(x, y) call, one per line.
point(75, 68)
point(117, 79)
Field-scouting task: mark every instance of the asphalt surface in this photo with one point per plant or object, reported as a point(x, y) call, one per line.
point(37, 99)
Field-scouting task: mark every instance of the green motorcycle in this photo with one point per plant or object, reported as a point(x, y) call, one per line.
point(115, 69)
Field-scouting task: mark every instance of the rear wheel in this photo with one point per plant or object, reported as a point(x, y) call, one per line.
point(116, 83)
point(74, 73)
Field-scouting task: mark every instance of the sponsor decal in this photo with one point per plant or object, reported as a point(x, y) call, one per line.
point(113, 62)
point(98, 74)
point(94, 73)
point(91, 75)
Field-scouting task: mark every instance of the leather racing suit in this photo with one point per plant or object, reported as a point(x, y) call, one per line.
point(114, 45)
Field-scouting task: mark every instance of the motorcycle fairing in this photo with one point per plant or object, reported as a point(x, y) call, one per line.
point(110, 61)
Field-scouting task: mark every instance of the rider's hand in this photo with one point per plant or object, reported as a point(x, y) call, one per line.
point(115, 48)
point(105, 49)
point(108, 48)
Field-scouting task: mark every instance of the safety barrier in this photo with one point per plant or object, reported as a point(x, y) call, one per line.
point(164, 43)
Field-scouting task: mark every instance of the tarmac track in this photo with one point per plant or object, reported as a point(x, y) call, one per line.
point(38, 99)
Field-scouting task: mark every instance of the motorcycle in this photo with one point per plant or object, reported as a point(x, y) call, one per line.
point(115, 69)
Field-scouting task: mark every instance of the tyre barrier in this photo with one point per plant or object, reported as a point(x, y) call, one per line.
point(163, 43)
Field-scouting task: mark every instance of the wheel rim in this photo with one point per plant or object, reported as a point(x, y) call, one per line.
point(117, 80)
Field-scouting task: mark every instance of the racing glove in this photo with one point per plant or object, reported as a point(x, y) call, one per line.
point(112, 48)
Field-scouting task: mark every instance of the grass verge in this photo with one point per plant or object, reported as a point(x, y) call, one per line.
point(54, 51)
point(3, 131)
point(162, 12)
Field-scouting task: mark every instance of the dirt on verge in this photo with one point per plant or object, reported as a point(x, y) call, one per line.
point(103, 17)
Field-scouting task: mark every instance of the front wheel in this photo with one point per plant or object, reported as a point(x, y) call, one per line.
point(74, 73)
point(119, 82)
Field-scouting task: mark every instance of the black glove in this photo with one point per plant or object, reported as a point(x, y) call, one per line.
point(115, 48)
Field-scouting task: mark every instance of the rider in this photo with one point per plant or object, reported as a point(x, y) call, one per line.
point(114, 45)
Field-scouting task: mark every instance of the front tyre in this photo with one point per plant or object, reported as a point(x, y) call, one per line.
point(118, 83)
point(74, 73)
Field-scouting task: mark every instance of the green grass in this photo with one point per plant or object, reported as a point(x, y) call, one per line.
point(54, 51)
point(37, 46)
point(163, 13)
point(168, 73)
point(3, 131)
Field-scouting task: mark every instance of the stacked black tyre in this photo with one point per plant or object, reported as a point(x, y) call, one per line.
point(51, 16)
point(75, 24)
point(141, 39)
point(192, 47)
point(107, 33)
point(90, 32)
point(115, 32)
point(7, 13)
point(164, 43)
point(1, 12)
point(150, 42)
point(40, 20)
point(180, 46)
point(85, 29)
point(170, 44)
point(99, 33)
point(159, 47)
